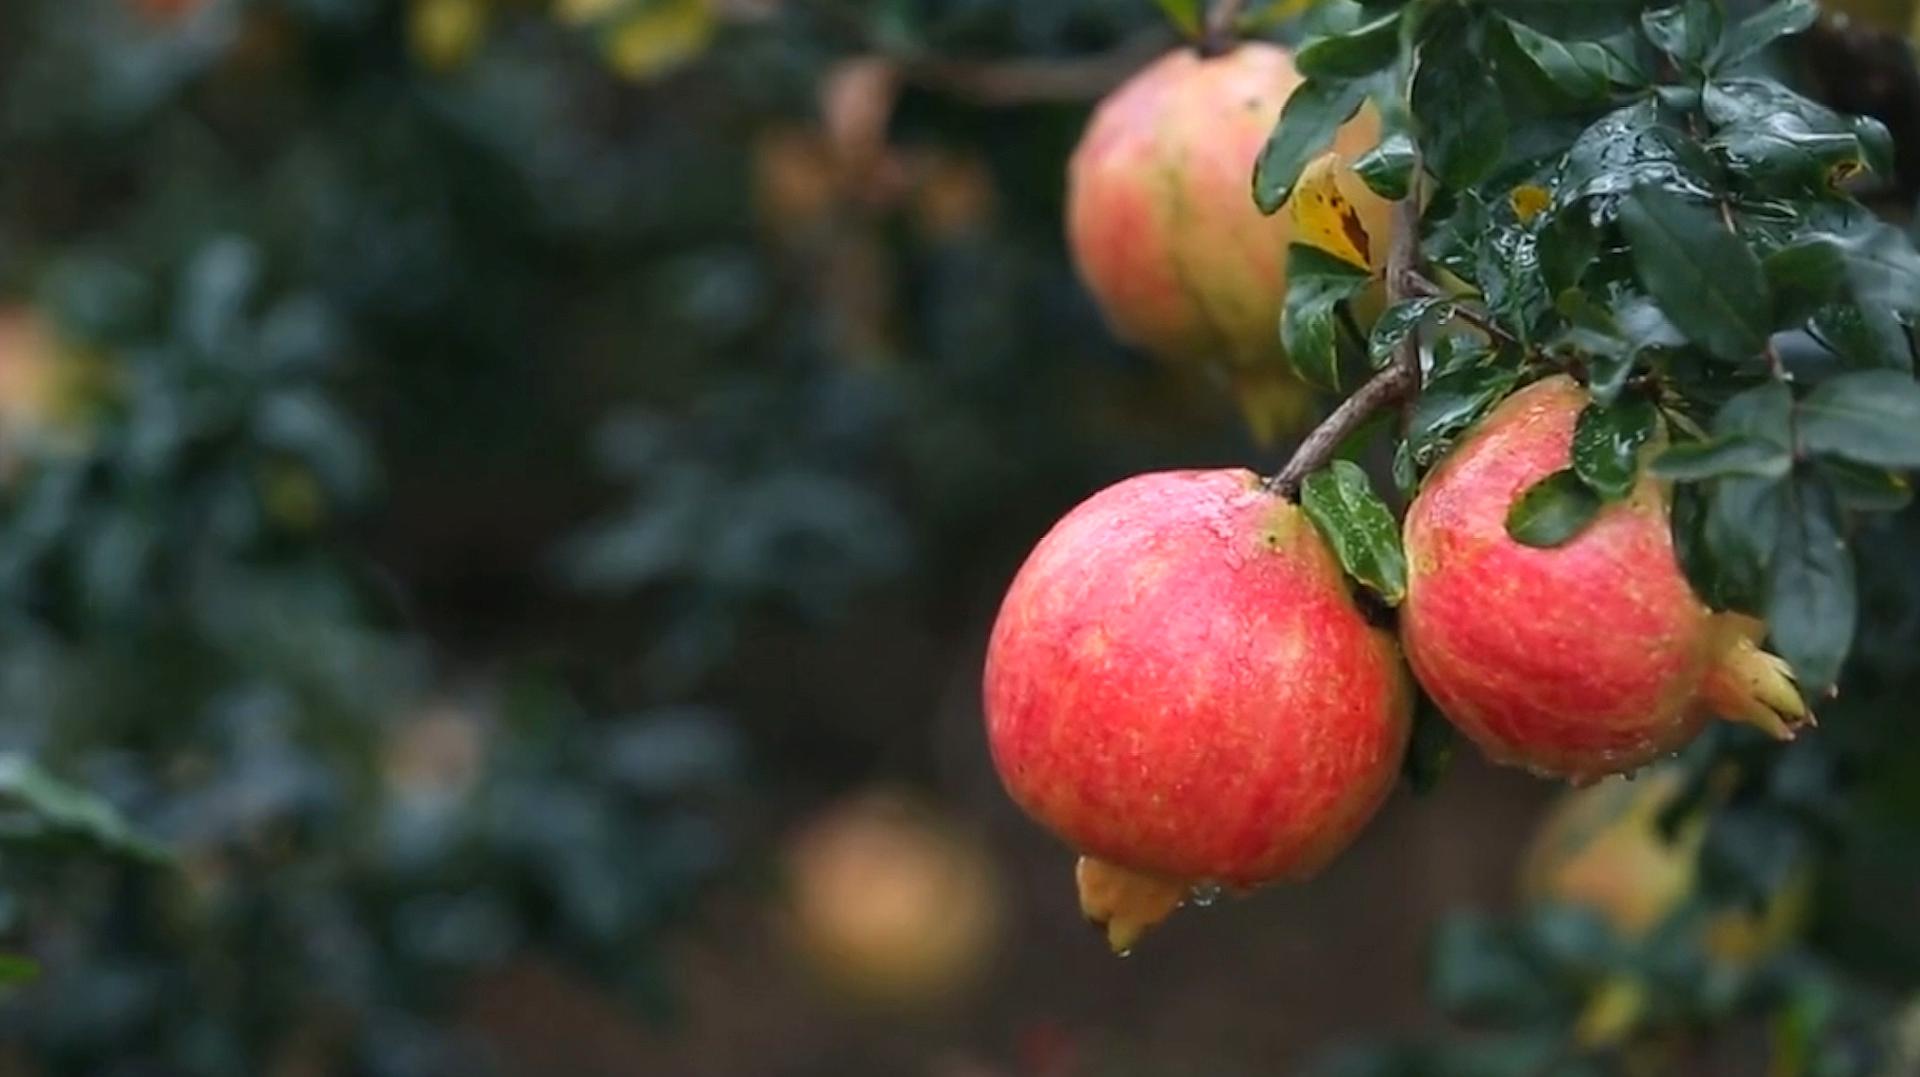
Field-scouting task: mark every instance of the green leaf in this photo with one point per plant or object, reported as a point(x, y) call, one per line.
point(1743, 517)
point(1865, 489)
point(1764, 27)
point(1452, 402)
point(1779, 142)
point(1400, 321)
point(1311, 324)
point(1811, 601)
point(1479, 973)
point(1354, 54)
point(1463, 117)
point(16, 970)
point(1740, 530)
point(1803, 278)
point(1689, 31)
point(1307, 125)
point(1704, 278)
point(1721, 457)
point(1430, 750)
point(1357, 524)
point(1553, 511)
point(1582, 70)
point(1568, 245)
point(1185, 15)
point(1572, 19)
point(59, 812)
point(1606, 445)
point(1387, 169)
point(1869, 417)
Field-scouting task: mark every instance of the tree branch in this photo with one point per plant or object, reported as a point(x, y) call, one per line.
point(1219, 34)
point(1400, 380)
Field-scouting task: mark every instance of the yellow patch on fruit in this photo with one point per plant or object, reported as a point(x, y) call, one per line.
point(659, 37)
point(1529, 201)
point(1325, 218)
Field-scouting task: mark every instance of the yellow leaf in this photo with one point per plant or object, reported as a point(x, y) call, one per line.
point(659, 37)
point(446, 33)
point(580, 12)
point(1323, 217)
point(1528, 201)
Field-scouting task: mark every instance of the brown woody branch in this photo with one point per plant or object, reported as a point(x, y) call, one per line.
point(1398, 382)
point(1219, 33)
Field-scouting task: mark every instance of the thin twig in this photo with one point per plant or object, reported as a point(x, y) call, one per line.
point(1399, 381)
point(1223, 17)
point(1419, 285)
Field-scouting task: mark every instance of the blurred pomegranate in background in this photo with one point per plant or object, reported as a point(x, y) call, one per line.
point(890, 904)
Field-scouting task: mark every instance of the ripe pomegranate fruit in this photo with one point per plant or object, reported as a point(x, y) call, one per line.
point(1181, 687)
point(1588, 659)
point(1164, 230)
point(889, 903)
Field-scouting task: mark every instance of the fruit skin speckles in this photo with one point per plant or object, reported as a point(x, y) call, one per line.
point(1587, 659)
point(1181, 687)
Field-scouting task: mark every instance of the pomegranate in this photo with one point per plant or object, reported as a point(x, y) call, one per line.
point(890, 904)
point(1591, 658)
point(1181, 687)
point(1163, 227)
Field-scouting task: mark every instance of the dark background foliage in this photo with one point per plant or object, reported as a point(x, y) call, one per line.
point(480, 477)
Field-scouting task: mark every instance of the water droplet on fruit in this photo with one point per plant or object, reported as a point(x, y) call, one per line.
point(1204, 894)
point(1128, 952)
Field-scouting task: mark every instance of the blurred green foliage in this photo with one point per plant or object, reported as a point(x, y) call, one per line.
point(440, 415)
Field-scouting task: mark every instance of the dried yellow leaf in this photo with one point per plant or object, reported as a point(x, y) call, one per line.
point(1323, 216)
point(659, 37)
point(1529, 201)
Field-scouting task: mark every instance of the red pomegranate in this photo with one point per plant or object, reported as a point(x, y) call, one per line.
point(1162, 224)
point(1181, 687)
point(1587, 659)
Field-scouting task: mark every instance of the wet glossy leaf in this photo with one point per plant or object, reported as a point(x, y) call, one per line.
point(1705, 279)
point(1307, 126)
point(1311, 328)
point(1463, 120)
point(1358, 525)
point(1451, 403)
point(1387, 169)
point(1606, 445)
point(1401, 321)
point(1553, 511)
